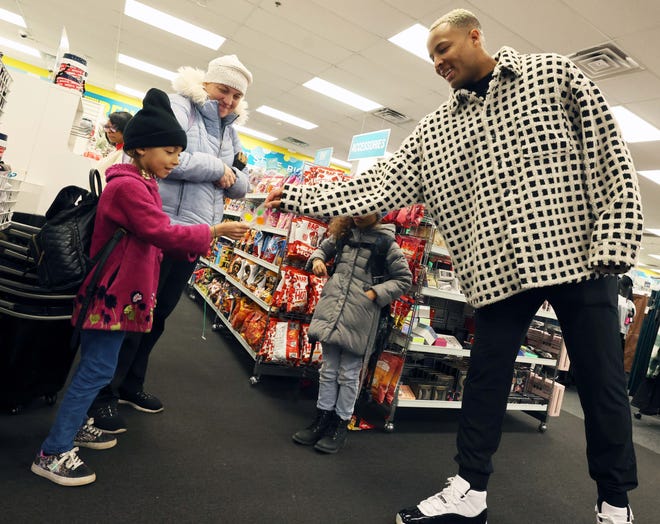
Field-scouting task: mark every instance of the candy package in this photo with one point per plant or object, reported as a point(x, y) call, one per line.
point(254, 327)
point(316, 284)
point(305, 236)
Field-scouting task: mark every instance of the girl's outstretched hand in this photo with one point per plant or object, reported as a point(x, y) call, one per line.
point(233, 230)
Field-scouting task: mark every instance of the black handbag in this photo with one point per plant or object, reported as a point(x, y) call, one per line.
point(61, 248)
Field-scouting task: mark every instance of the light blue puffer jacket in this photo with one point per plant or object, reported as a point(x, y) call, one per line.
point(189, 194)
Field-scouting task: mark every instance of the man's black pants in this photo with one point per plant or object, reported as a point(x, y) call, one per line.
point(588, 316)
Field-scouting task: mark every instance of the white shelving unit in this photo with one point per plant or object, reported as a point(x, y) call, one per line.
point(10, 184)
point(226, 322)
point(410, 348)
point(275, 268)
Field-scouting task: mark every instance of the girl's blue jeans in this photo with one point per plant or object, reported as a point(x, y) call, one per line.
point(98, 360)
point(339, 381)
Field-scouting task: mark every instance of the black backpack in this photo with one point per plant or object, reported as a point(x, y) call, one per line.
point(60, 249)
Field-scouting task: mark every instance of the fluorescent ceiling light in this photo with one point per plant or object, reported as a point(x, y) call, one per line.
point(653, 176)
point(413, 40)
point(145, 66)
point(342, 163)
point(4, 42)
point(286, 117)
point(634, 128)
point(342, 95)
point(173, 25)
point(653, 231)
point(12, 18)
point(255, 133)
point(130, 91)
point(657, 257)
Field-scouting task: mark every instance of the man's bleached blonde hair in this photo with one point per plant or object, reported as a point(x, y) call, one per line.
point(458, 18)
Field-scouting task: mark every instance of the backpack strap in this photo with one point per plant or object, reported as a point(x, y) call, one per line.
point(377, 255)
point(95, 182)
point(99, 259)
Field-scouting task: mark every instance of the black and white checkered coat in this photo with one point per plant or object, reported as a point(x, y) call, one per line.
point(531, 187)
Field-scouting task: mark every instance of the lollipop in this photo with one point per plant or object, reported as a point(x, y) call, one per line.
point(255, 216)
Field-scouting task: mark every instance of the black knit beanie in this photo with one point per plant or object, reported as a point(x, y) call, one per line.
point(154, 125)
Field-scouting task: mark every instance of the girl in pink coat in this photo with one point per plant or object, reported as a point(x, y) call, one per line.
point(124, 299)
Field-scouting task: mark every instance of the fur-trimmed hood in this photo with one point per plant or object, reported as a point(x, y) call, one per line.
point(189, 82)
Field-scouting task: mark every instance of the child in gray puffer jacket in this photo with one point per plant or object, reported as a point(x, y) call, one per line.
point(346, 317)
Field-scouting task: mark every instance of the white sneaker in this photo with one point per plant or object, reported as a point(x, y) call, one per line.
point(613, 515)
point(457, 502)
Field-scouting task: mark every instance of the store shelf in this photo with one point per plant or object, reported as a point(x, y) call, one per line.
point(456, 404)
point(439, 293)
point(226, 322)
point(546, 314)
point(257, 260)
point(231, 213)
point(437, 250)
point(255, 196)
point(236, 284)
point(439, 350)
point(270, 229)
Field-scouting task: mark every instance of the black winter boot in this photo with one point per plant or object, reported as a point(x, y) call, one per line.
point(335, 436)
point(312, 433)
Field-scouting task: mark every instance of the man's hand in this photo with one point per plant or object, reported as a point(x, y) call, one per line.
point(274, 198)
point(227, 180)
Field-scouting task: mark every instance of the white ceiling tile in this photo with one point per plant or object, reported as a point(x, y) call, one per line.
point(631, 87)
point(615, 18)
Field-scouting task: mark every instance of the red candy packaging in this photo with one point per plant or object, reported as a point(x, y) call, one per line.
point(305, 236)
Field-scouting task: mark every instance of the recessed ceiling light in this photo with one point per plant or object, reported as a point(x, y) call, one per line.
point(634, 128)
point(342, 163)
point(255, 133)
point(172, 24)
point(145, 66)
point(5, 42)
point(653, 175)
point(286, 117)
point(413, 40)
point(653, 231)
point(342, 95)
point(130, 91)
point(12, 18)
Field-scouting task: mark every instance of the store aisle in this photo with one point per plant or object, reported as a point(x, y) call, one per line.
point(221, 452)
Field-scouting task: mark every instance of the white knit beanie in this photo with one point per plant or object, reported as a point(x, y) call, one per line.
point(229, 71)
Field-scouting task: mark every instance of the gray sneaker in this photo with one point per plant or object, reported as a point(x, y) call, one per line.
point(65, 469)
point(89, 436)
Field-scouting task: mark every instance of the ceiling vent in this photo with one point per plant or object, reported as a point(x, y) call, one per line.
point(295, 141)
point(392, 116)
point(604, 61)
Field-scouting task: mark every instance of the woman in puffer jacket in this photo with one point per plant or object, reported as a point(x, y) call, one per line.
point(346, 317)
point(213, 166)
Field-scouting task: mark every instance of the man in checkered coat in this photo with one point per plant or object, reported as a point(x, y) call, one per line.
point(528, 180)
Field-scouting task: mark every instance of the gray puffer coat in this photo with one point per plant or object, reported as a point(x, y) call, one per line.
point(344, 315)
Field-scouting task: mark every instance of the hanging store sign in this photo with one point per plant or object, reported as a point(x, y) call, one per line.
point(368, 145)
point(323, 156)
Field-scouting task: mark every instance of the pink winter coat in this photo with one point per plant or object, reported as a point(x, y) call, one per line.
point(126, 293)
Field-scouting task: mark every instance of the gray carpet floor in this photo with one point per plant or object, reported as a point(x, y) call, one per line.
point(221, 452)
